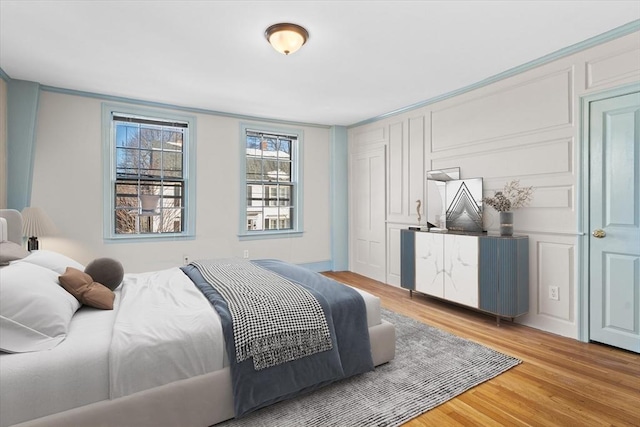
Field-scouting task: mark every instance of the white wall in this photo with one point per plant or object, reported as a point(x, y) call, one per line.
point(67, 183)
point(525, 127)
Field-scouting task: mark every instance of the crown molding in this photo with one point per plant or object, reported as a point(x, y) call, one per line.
point(618, 32)
point(195, 110)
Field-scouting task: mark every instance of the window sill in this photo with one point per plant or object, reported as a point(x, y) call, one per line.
point(148, 237)
point(261, 235)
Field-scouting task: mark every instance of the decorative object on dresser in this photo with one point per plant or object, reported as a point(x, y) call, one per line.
point(454, 203)
point(464, 205)
point(437, 195)
point(486, 272)
point(506, 201)
point(506, 223)
point(419, 227)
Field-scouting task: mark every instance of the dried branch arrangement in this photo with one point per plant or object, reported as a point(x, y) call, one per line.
point(511, 197)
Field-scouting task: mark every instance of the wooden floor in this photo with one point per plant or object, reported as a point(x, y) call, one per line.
point(561, 382)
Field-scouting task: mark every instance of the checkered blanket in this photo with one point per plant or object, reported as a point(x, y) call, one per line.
point(274, 320)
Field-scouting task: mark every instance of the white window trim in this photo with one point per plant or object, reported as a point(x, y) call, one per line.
point(109, 172)
point(297, 222)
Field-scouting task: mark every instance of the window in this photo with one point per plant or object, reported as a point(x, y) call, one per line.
point(149, 170)
point(272, 176)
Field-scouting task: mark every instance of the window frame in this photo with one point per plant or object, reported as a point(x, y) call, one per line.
point(296, 229)
point(110, 177)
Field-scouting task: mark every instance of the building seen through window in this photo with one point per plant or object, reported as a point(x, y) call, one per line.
point(270, 172)
point(149, 185)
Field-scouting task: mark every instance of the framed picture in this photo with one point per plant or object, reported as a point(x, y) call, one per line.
point(464, 205)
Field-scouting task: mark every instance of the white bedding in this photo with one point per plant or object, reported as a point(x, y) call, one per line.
point(166, 330)
point(76, 372)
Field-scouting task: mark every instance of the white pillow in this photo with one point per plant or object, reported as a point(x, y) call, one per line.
point(52, 260)
point(35, 311)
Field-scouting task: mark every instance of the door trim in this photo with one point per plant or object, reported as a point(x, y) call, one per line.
point(583, 202)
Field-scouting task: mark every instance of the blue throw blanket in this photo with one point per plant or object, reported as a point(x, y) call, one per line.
point(350, 354)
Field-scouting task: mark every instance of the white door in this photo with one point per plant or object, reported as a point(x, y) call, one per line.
point(367, 195)
point(614, 259)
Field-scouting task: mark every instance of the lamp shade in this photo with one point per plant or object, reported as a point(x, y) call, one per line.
point(36, 223)
point(286, 38)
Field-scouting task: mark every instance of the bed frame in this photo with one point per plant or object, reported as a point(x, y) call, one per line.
point(198, 401)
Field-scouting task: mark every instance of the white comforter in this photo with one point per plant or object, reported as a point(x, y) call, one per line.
point(77, 371)
point(165, 330)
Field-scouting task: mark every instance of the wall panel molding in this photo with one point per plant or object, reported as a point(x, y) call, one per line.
point(369, 137)
point(535, 159)
point(613, 67)
point(395, 183)
point(555, 268)
point(416, 166)
point(533, 105)
point(393, 253)
point(547, 196)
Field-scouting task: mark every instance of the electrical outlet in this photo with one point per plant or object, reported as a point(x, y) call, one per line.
point(554, 293)
point(185, 259)
point(246, 253)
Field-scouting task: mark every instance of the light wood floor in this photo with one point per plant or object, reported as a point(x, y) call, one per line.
point(561, 382)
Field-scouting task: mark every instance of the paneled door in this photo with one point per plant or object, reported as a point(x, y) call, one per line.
point(368, 218)
point(614, 219)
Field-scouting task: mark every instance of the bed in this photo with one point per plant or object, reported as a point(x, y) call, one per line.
point(157, 384)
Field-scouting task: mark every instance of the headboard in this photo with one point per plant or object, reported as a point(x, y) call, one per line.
point(14, 224)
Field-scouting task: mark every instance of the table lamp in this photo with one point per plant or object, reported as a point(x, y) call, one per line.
point(36, 223)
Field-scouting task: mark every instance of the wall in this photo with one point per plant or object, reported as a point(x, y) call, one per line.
point(339, 199)
point(524, 127)
point(3, 144)
point(67, 184)
point(22, 115)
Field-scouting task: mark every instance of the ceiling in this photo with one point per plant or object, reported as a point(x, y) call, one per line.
point(363, 58)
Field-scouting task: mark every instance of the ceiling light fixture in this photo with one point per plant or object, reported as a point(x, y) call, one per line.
point(286, 38)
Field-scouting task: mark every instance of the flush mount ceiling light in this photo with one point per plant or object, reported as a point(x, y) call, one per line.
point(286, 38)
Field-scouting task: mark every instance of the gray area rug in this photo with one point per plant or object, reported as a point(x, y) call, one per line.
point(431, 366)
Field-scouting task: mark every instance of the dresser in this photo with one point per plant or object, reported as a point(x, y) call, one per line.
point(481, 271)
